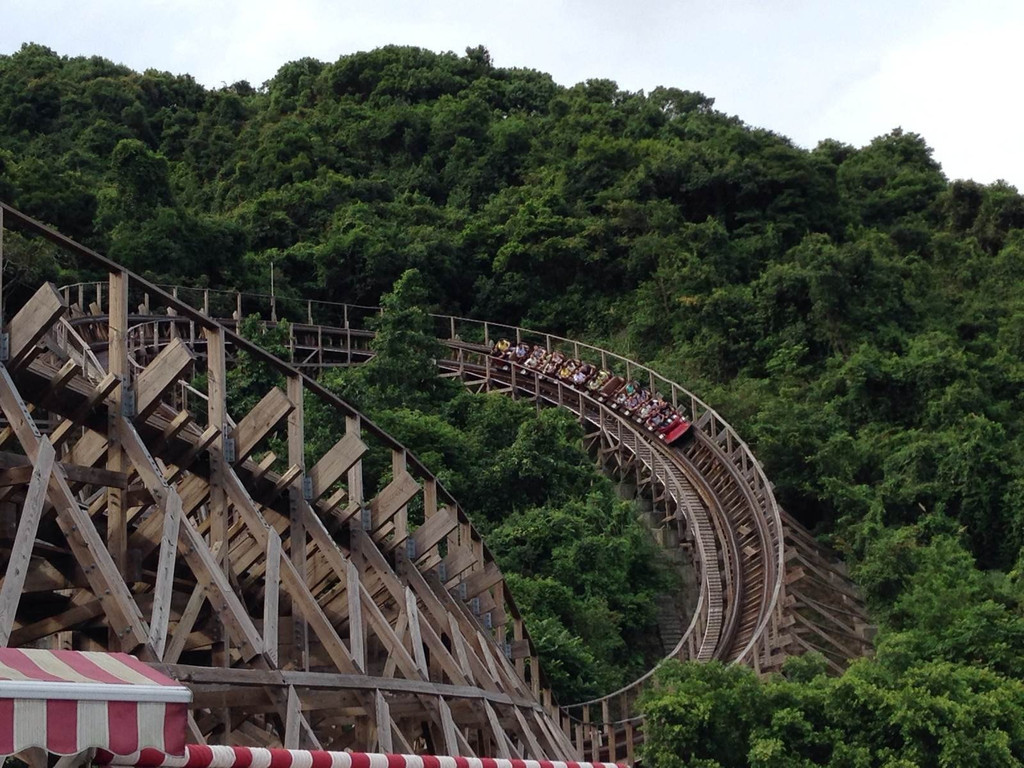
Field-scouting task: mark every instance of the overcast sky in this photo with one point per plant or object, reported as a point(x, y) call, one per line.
point(808, 69)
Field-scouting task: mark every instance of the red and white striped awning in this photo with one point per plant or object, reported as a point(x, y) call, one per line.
point(69, 701)
point(257, 757)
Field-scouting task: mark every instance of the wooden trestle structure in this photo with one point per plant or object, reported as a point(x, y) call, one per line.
point(296, 596)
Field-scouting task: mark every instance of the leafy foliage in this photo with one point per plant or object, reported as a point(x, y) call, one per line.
point(855, 315)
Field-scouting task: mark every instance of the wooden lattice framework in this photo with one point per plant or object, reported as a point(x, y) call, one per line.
point(296, 601)
point(432, 646)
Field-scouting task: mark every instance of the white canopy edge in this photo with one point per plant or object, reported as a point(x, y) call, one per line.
point(37, 689)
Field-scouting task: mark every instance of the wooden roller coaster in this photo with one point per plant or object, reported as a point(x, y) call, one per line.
point(321, 603)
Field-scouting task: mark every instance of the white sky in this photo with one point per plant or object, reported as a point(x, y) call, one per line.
point(808, 69)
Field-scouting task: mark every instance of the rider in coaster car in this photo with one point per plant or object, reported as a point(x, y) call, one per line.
point(635, 400)
point(599, 380)
point(648, 408)
point(656, 419)
point(625, 393)
point(583, 373)
point(567, 370)
point(500, 348)
point(521, 350)
point(554, 363)
point(671, 418)
point(535, 357)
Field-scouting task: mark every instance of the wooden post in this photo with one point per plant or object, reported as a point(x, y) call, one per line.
point(296, 503)
point(117, 351)
point(216, 371)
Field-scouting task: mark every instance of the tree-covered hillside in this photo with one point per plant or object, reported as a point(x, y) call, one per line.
point(855, 314)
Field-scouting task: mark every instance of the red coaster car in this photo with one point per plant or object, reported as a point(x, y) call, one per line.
point(673, 428)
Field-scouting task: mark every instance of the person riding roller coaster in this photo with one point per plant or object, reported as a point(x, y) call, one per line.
point(628, 397)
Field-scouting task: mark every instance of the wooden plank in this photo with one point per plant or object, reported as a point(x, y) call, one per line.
point(296, 503)
point(164, 586)
point(31, 323)
point(356, 628)
point(102, 390)
point(73, 472)
point(228, 606)
point(433, 531)
point(536, 751)
point(271, 596)
point(21, 551)
point(159, 376)
point(501, 740)
point(173, 428)
point(382, 716)
point(451, 742)
point(117, 364)
point(291, 727)
point(341, 457)
point(415, 636)
point(61, 622)
point(14, 476)
point(393, 498)
point(478, 581)
point(185, 624)
point(259, 422)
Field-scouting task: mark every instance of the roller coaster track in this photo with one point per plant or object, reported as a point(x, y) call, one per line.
point(431, 632)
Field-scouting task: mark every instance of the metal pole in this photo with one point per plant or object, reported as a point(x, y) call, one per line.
point(273, 299)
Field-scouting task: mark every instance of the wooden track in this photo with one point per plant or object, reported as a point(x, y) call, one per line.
point(163, 534)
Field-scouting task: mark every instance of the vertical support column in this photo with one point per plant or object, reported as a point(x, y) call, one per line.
point(117, 335)
point(517, 636)
point(401, 518)
point(609, 730)
point(297, 533)
point(217, 415)
point(355, 472)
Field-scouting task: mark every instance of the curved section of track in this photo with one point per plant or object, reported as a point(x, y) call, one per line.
point(710, 495)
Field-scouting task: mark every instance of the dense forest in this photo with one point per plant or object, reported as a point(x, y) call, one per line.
point(855, 314)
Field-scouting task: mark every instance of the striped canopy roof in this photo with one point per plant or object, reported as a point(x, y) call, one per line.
point(68, 701)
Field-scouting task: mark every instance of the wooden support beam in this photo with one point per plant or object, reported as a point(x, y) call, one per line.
point(415, 635)
point(271, 596)
point(21, 552)
point(382, 718)
point(393, 498)
point(117, 364)
point(185, 624)
point(293, 583)
point(85, 541)
point(102, 390)
point(14, 465)
point(259, 422)
point(61, 622)
point(501, 740)
point(159, 376)
point(32, 322)
point(336, 462)
point(356, 628)
point(164, 585)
